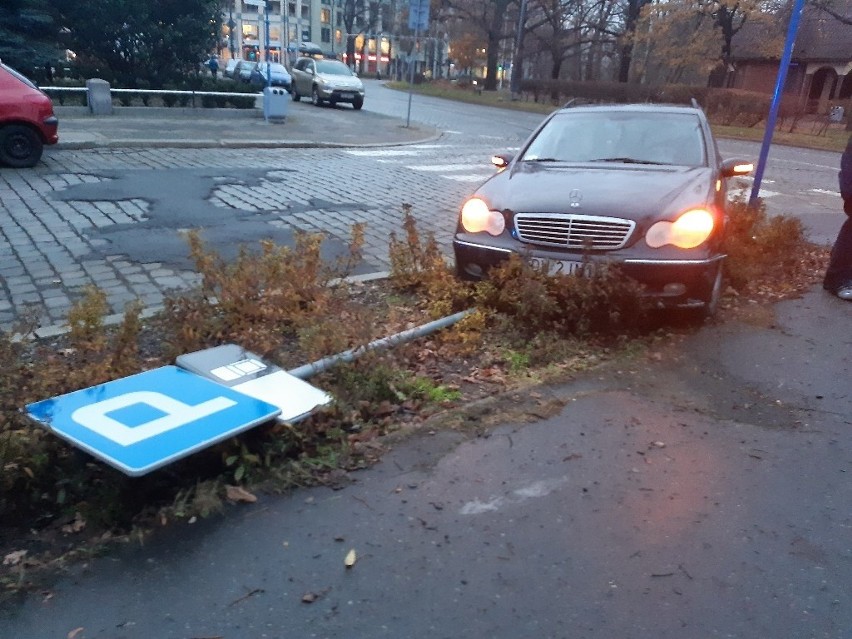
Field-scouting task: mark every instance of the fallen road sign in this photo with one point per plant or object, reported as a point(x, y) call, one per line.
point(233, 366)
point(143, 422)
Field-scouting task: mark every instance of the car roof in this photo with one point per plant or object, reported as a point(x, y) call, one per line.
point(641, 107)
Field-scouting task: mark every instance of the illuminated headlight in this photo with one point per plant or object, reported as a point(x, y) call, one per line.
point(476, 217)
point(688, 231)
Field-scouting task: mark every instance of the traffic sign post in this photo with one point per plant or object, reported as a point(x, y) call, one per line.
point(418, 20)
point(143, 422)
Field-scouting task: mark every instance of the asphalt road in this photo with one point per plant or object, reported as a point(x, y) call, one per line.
point(702, 491)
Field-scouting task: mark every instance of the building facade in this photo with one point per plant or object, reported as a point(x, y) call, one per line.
point(246, 25)
point(820, 71)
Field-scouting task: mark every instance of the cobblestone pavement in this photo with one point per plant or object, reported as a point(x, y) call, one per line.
point(115, 218)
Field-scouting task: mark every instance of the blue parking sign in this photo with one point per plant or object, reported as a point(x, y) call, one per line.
point(140, 423)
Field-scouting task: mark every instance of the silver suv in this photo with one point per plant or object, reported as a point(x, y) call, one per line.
point(328, 81)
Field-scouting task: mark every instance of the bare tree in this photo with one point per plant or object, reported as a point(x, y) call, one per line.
point(490, 17)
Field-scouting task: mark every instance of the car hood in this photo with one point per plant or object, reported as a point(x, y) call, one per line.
point(341, 81)
point(635, 192)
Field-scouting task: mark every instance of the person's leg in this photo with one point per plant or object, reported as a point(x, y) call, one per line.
point(839, 271)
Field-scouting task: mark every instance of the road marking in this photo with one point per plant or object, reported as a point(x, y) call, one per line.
point(746, 193)
point(533, 490)
point(446, 167)
point(376, 153)
point(467, 178)
point(750, 178)
point(825, 192)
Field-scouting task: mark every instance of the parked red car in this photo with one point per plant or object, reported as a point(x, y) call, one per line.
point(27, 121)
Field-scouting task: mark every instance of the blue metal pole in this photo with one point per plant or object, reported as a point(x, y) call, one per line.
point(776, 100)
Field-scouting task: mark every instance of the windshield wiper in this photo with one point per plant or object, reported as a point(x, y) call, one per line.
point(542, 160)
point(626, 161)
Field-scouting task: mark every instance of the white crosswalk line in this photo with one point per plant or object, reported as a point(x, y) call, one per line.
point(746, 193)
point(379, 153)
point(824, 192)
point(467, 178)
point(440, 168)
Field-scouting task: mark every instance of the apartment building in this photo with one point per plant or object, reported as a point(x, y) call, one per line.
point(321, 22)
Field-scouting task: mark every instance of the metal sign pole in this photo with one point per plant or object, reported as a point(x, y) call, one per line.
point(418, 18)
point(411, 78)
point(776, 101)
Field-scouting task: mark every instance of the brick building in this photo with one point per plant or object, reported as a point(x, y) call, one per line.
point(820, 70)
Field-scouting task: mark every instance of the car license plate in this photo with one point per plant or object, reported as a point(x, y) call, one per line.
point(561, 267)
point(347, 96)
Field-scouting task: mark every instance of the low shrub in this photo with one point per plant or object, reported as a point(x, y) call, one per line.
point(604, 302)
point(760, 247)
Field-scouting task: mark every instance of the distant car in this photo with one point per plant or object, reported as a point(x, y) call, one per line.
point(27, 120)
point(242, 72)
point(230, 65)
point(279, 76)
point(326, 81)
point(641, 187)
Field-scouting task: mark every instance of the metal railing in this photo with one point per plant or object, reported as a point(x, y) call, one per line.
point(160, 92)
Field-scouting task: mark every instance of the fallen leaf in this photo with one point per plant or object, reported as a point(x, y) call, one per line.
point(75, 632)
point(14, 558)
point(239, 494)
point(75, 526)
point(309, 597)
point(351, 558)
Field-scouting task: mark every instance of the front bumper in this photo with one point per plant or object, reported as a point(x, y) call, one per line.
point(340, 95)
point(670, 282)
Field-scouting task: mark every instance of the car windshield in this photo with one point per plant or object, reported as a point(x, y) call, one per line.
point(332, 67)
point(274, 67)
point(631, 137)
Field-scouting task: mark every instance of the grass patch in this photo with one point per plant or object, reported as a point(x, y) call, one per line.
point(804, 133)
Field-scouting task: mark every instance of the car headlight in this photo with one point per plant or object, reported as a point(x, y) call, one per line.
point(476, 216)
point(688, 231)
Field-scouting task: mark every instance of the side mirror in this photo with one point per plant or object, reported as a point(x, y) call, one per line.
point(736, 166)
point(501, 160)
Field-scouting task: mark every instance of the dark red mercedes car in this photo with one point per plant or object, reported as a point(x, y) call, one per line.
point(27, 121)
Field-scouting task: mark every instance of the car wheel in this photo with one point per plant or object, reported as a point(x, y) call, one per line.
point(20, 146)
point(357, 103)
point(296, 96)
point(315, 99)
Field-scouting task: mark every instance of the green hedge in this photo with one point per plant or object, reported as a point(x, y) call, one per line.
point(724, 106)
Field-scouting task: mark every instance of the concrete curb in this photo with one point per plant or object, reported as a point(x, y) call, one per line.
point(231, 144)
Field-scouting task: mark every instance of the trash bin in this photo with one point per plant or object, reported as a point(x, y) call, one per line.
point(275, 101)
